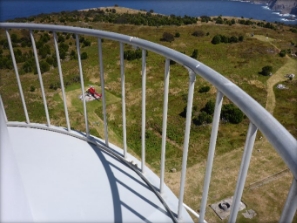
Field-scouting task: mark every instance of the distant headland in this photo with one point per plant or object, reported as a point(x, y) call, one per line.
point(282, 6)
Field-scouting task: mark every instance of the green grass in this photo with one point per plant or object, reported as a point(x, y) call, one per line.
point(287, 99)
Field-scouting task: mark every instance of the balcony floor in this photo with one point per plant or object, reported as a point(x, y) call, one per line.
point(67, 179)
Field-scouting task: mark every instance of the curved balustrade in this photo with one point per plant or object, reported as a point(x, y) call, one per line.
point(283, 142)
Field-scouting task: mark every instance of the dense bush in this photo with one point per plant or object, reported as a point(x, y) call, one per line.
point(44, 51)
point(177, 35)
point(266, 71)
point(202, 118)
point(55, 86)
point(209, 107)
point(283, 53)
point(195, 54)
point(205, 18)
point(44, 66)
point(5, 62)
point(133, 54)
point(216, 39)
point(231, 114)
point(184, 112)
point(61, 39)
point(205, 115)
point(168, 37)
point(14, 38)
point(28, 66)
point(73, 55)
point(63, 48)
point(204, 89)
point(84, 56)
point(219, 20)
point(86, 42)
point(226, 39)
point(198, 33)
point(44, 38)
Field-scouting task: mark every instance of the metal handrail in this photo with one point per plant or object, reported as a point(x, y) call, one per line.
point(283, 142)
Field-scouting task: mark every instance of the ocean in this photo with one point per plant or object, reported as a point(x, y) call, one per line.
point(10, 9)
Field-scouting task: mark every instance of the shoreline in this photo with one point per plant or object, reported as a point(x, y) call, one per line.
point(286, 19)
point(123, 10)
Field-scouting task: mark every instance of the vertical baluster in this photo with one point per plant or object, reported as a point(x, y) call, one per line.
point(3, 110)
point(82, 86)
point(186, 141)
point(211, 150)
point(103, 89)
point(290, 205)
point(143, 110)
point(18, 78)
point(40, 78)
point(249, 144)
point(61, 81)
point(123, 98)
point(164, 128)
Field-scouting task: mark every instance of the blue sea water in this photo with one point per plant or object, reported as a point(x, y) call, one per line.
point(10, 9)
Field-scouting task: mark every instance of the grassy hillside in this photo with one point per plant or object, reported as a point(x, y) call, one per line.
point(241, 62)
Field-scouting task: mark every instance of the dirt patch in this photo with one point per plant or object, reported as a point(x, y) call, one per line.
point(257, 83)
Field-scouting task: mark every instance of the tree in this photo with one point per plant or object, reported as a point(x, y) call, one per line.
point(266, 70)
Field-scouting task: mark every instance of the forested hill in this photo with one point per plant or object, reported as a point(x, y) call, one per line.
point(284, 6)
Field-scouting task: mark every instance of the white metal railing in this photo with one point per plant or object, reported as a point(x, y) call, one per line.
point(283, 142)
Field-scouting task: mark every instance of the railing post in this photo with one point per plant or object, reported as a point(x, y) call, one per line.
point(290, 205)
point(18, 77)
point(211, 151)
point(143, 110)
point(249, 144)
point(103, 90)
point(123, 98)
point(40, 78)
point(82, 86)
point(3, 110)
point(61, 81)
point(186, 141)
point(164, 128)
